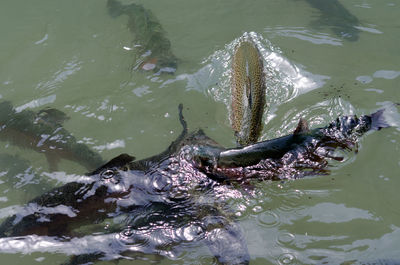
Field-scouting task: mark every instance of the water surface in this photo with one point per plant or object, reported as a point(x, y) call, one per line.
point(73, 56)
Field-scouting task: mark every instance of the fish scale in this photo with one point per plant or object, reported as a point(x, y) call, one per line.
point(248, 93)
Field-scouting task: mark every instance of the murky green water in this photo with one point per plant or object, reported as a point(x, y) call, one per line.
point(73, 56)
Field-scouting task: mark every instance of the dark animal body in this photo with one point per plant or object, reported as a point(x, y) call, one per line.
point(43, 133)
point(337, 17)
point(248, 93)
point(152, 46)
point(180, 188)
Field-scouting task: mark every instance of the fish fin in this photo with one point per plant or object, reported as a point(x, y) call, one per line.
point(118, 161)
point(378, 121)
point(302, 127)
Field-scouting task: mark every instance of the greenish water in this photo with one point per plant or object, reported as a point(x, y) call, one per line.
point(70, 55)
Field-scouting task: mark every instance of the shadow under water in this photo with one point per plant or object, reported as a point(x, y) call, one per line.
point(43, 132)
point(337, 18)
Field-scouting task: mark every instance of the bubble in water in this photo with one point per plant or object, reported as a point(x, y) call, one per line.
point(129, 237)
point(127, 233)
point(286, 258)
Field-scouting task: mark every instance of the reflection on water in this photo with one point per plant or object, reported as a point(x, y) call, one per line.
point(304, 34)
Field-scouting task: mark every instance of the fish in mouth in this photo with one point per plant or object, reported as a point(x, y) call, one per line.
point(178, 189)
point(305, 151)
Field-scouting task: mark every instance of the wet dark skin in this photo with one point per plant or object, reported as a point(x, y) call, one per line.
point(162, 193)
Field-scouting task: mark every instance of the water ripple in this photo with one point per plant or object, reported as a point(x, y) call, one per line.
point(68, 69)
point(285, 239)
point(302, 33)
point(268, 219)
point(286, 258)
point(284, 79)
point(318, 114)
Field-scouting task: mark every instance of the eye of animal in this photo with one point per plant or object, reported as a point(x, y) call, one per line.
point(110, 175)
point(107, 174)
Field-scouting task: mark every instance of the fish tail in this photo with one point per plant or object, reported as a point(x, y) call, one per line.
point(378, 121)
point(115, 8)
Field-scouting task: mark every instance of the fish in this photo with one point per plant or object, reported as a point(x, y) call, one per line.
point(154, 51)
point(247, 93)
point(43, 132)
point(340, 20)
point(305, 151)
point(165, 186)
point(173, 199)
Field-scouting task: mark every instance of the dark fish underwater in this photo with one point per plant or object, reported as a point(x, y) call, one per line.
point(152, 46)
point(177, 199)
point(335, 16)
point(43, 132)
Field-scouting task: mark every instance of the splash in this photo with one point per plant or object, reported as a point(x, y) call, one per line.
point(284, 80)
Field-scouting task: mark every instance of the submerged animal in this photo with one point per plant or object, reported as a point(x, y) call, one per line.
point(337, 17)
point(178, 197)
point(43, 132)
point(153, 47)
point(247, 92)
